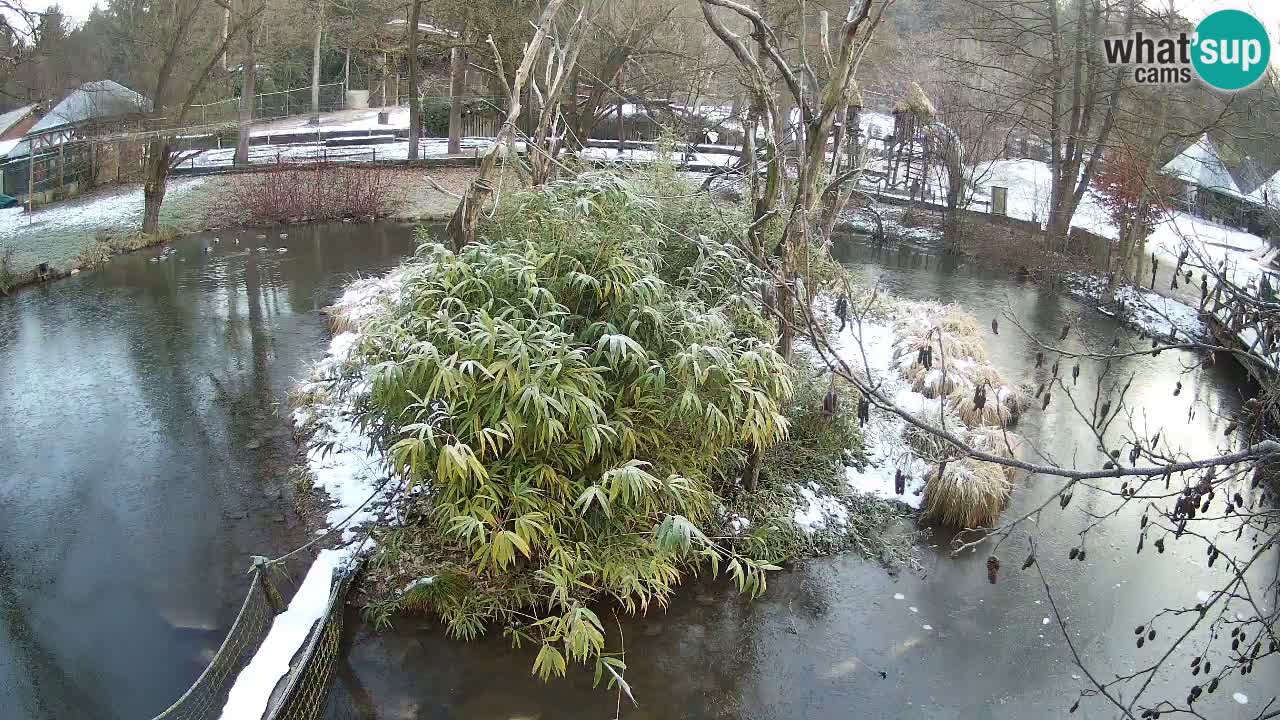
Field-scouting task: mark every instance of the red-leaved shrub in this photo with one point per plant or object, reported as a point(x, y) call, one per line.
point(294, 195)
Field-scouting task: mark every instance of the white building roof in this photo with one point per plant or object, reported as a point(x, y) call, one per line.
point(1201, 164)
point(93, 101)
point(11, 118)
point(1268, 193)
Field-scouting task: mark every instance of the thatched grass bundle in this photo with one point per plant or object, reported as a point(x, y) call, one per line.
point(930, 382)
point(971, 493)
point(968, 494)
point(997, 441)
point(1002, 407)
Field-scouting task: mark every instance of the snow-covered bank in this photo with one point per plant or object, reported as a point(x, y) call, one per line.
point(1143, 309)
point(1029, 182)
point(884, 435)
point(350, 469)
point(59, 232)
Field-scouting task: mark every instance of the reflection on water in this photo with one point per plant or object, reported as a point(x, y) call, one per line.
point(142, 457)
point(828, 640)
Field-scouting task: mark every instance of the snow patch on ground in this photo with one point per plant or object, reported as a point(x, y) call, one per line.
point(630, 155)
point(319, 151)
point(1245, 255)
point(816, 511)
point(884, 435)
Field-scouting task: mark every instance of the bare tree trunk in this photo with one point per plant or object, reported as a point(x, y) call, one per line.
point(315, 65)
point(751, 473)
point(457, 86)
point(462, 224)
point(248, 95)
point(386, 76)
point(415, 124)
point(622, 122)
point(226, 30)
point(548, 133)
point(153, 188)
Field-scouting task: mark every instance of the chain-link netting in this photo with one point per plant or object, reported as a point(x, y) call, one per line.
point(206, 696)
point(302, 695)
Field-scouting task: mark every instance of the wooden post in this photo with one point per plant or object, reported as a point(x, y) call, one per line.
point(31, 175)
point(346, 77)
point(62, 168)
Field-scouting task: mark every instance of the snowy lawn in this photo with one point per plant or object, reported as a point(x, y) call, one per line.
point(57, 233)
point(1029, 182)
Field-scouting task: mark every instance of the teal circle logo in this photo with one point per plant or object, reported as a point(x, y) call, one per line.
point(1231, 50)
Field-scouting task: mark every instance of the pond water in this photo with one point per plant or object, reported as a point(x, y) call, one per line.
point(142, 458)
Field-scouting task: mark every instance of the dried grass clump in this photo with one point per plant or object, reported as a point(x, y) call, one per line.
point(969, 494)
point(342, 320)
point(992, 413)
point(997, 442)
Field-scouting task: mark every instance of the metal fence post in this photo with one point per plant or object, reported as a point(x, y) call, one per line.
point(263, 569)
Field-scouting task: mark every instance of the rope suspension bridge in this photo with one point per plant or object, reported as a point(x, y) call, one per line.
point(300, 693)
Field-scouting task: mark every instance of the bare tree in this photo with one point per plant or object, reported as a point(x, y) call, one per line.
point(462, 224)
point(249, 82)
point(19, 36)
point(549, 91)
point(457, 88)
point(818, 105)
point(1049, 72)
point(181, 41)
point(621, 31)
point(415, 98)
point(315, 64)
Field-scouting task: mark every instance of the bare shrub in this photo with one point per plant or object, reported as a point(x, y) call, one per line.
point(1018, 248)
point(294, 195)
